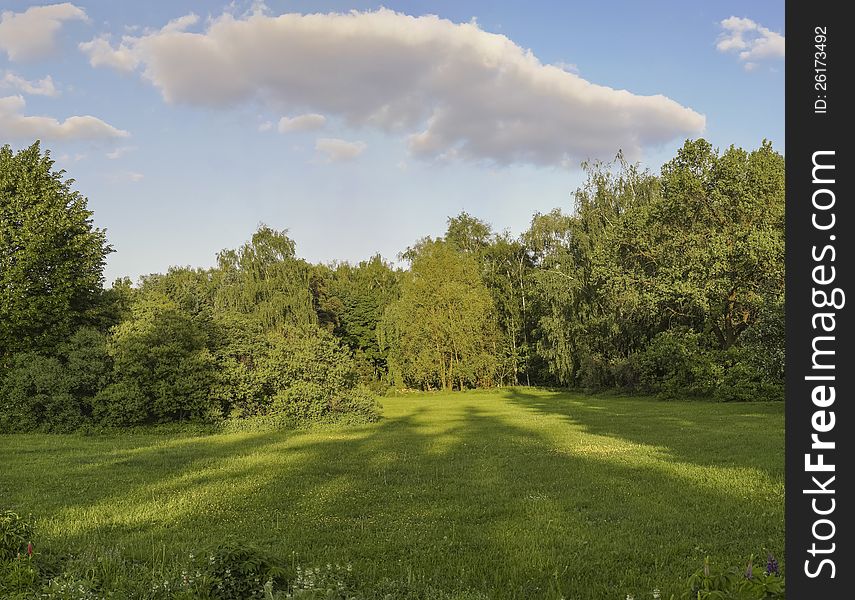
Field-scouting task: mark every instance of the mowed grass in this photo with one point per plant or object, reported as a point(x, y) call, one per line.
point(517, 493)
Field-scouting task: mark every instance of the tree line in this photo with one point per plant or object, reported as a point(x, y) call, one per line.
point(668, 283)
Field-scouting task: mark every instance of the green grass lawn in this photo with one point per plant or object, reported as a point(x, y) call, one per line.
point(514, 493)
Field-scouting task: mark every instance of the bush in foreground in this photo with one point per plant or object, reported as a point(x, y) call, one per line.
point(748, 583)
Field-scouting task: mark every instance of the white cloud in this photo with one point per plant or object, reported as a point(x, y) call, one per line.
point(265, 126)
point(70, 158)
point(336, 150)
point(38, 87)
point(181, 23)
point(750, 40)
point(15, 125)
point(119, 152)
point(124, 57)
point(32, 34)
point(124, 177)
point(101, 54)
point(565, 66)
point(301, 123)
point(454, 90)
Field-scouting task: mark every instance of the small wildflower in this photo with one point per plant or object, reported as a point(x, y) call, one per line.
point(30, 549)
point(657, 595)
point(772, 565)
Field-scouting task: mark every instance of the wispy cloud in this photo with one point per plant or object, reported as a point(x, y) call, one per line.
point(119, 152)
point(70, 158)
point(125, 177)
point(751, 41)
point(15, 125)
point(335, 150)
point(38, 87)
point(301, 123)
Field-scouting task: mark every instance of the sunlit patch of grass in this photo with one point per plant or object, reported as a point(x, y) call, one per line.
point(518, 493)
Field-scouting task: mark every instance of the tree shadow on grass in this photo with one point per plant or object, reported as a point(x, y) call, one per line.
point(703, 433)
point(450, 494)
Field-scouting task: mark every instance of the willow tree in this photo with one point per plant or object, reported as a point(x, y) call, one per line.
point(442, 330)
point(265, 280)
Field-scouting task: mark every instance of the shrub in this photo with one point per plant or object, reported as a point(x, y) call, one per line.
point(163, 370)
point(755, 369)
point(676, 363)
point(359, 402)
point(744, 380)
point(36, 395)
point(307, 401)
point(295, 372)
point(308, 354)
point(236, 571)
point(241, 388)
point(764, 343)
point(86, 363)
point(304, 400)
point(54, 393)
point(748, 583)
point(305, 371)
point(121, 404)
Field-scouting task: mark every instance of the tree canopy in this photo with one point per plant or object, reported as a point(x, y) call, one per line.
point(51, 255)
point(442, 329)
point(668, 283)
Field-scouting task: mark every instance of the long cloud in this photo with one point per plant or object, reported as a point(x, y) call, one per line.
point(455, 91)
point(15, 125)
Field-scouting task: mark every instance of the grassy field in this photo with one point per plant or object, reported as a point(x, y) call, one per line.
point(514, 493)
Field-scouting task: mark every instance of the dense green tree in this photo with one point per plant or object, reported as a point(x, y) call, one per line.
point(163, 368)
point(193, 290)
point(506, 269)
point(721, 232)
point(669, 283)
point(442, 330)
point(325, 300)
point(51, 255)
point(468, 234)
point(586, 320)
point(364, 292)
point(696, 252)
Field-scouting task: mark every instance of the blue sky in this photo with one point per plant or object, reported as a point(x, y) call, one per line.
point(390, 124)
